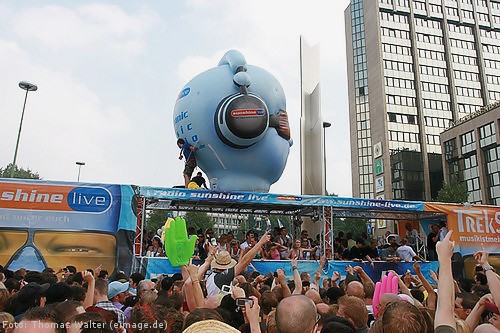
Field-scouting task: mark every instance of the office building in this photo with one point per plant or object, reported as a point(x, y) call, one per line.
point(415, 66)
point(471, 154)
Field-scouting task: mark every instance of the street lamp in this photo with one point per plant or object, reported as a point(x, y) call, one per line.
point(325, 126)
point(28, 87)
point(79, 169)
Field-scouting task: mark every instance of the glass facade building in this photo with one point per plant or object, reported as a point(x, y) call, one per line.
point(414, 68)
point(472, 154)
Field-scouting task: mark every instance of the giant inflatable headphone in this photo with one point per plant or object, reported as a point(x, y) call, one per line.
point(242, 119)
point(234, 115)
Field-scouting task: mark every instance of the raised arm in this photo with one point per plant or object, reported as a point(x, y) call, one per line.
point(89, 294)
point(431, 294)
point(296, 277)
point(474, 316)
point(317, 275)
point(196, 290)
point(203, 268)
point(282, 282)
point(248, 257)
point(491, 276)
point(446, 293)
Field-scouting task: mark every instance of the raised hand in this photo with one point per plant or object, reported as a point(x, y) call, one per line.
point(445, 247)
point(416, 267)
point(481, 257)
point(178, 247)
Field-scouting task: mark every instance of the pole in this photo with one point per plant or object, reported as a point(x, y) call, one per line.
point(79, 169)
point(325, 126)
point(18, 136)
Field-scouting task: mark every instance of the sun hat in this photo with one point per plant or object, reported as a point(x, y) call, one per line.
point(116, 287)
point(210, 326)
point(223, 260)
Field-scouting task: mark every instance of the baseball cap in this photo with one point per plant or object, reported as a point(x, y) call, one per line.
point(117, 287)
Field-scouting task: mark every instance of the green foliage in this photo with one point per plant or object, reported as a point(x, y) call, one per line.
point(354, 225)
point(18, 172)
point(198, 220)
point(156, 219)
point(453, 192)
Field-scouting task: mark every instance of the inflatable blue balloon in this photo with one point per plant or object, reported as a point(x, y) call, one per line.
point(235, 116)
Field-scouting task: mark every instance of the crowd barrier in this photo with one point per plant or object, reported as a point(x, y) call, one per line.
point(154, 266)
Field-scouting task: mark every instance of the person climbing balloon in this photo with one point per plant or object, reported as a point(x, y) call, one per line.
point(188, 152)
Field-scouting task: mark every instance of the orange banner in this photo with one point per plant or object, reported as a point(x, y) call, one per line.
point(472, 226)
point(34, 196)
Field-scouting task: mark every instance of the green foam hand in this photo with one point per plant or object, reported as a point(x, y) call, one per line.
point(178, 247)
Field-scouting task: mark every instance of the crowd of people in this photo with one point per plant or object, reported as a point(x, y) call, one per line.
point(282, 246)
point(221, 296)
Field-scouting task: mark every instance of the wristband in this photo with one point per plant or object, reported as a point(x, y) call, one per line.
point(294, 268)
point(488, 267)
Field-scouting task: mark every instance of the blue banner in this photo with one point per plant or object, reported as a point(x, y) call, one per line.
point(270, 198)
point(158, 266)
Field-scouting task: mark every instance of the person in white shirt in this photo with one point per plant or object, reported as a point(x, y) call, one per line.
point(250, 236)
point(406, 253)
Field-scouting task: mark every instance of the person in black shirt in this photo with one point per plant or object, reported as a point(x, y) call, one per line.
point(432, 240)
point(358, 251)
point(200, 181)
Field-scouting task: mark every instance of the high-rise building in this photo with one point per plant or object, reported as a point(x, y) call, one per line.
point(414, 66)
point(471, 154)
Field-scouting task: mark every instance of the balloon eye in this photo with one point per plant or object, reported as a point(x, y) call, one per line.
point(241, 120)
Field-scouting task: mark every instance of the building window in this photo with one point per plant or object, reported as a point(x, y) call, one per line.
point(492, 159)
point(450, 149)
point(487, 135)
point(468, 142)
point(470, 174)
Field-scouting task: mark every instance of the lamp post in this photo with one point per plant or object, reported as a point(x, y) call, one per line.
point(28, 87)
point(79, 169)
point(325, 126)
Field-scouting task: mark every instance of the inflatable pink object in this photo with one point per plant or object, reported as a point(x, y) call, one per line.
point(376, 299)
point(394, 285)
point(389, 284)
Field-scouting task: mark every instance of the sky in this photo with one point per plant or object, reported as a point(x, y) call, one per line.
point(108, 74)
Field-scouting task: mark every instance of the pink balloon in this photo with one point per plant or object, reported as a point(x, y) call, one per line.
point(376, 298)
point(394, 285)
point(383, 288)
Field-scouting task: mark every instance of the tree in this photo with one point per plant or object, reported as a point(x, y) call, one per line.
point(199, 220)
point(18, 172)
point(353, 224)
point(156, 219)
point(454, 191)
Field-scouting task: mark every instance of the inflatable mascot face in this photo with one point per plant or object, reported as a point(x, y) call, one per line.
point(235, 116)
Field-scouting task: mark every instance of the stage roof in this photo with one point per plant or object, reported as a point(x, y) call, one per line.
point(180, 199)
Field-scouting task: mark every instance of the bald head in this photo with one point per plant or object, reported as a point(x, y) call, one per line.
point(314, 296)
point(296, 314)
point(356, 289)
point(384, 300)
point(324, 309)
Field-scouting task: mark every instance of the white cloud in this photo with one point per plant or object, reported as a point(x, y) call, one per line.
point(93, 28)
